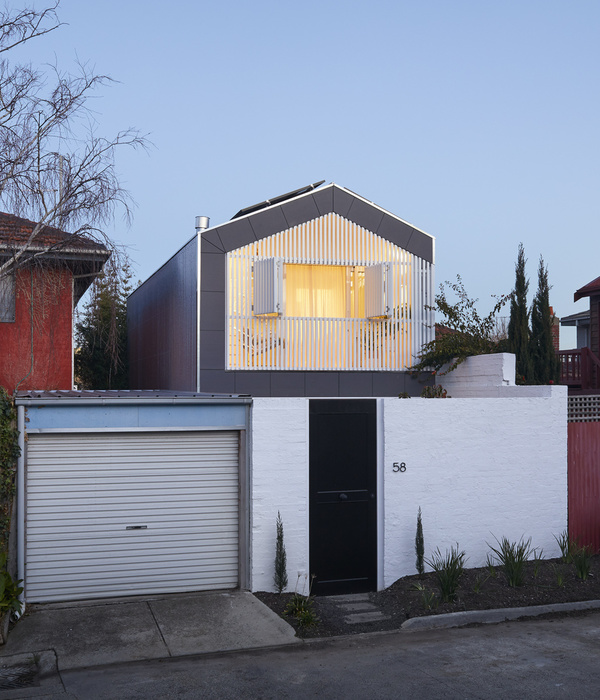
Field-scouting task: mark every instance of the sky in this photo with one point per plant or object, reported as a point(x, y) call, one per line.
point(475, 121)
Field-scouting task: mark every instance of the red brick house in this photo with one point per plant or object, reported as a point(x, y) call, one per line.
point(37, 302)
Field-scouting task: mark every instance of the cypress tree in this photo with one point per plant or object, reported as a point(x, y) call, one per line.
point(518, 325)
point(280, 577)
point(545, 363)
point(420, 545)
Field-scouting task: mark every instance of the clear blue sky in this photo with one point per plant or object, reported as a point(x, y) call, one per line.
point(476, 121)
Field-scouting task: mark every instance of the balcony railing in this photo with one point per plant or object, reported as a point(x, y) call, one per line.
point(579, 369)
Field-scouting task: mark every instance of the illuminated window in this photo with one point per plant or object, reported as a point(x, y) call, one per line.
point(324, 291)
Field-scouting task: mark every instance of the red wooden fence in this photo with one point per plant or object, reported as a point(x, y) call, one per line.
point(584, 482)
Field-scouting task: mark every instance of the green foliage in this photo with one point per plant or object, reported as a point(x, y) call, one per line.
point(582, 558)
point(545, 363)
point(101, 332)
point(538, 557)
point(436, 391)
point(9, 589)
point(518, 325)
point(513, 556)
point(302, 608)
point(560, 575)
point(463, 331)
point(448, 570)
point(280, 576)
point(491, 566)
point(430, 600)
point(420, 545)
point(566, 545)
point(9, 453)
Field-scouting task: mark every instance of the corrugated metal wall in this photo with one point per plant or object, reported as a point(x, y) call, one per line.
point(584, 470)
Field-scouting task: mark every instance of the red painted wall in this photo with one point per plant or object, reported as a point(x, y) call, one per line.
point(584, 483)
point(52, 327)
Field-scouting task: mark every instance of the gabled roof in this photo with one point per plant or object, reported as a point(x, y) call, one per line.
point(83, 255)
point(592, 287)
point(275, 216)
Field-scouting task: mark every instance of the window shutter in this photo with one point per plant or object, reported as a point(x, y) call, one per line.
point(376, 283)
point(268, 286)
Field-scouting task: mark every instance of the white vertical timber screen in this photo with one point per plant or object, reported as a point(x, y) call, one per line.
point(279, 342)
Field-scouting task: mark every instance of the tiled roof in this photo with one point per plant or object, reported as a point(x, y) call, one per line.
point(592, 287)
point(15, 231)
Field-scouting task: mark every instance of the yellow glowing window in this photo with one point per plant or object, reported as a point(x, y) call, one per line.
point(324, 291)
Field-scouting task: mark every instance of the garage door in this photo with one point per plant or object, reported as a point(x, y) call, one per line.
point(131, 513)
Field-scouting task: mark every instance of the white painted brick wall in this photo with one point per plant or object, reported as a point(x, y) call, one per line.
point(478, 467)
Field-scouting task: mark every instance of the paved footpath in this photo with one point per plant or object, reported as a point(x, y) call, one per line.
point(556, 658)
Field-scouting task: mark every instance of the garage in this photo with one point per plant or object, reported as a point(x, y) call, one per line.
point(117, 510)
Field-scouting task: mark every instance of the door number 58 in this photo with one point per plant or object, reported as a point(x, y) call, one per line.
point(399, 466)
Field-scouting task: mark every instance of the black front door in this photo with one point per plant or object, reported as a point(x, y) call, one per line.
point(343, 503)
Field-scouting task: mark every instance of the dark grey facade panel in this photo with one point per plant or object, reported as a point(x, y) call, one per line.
point(388, 383)
point(342, 201)
point(288, 384)
point(322, 384)
point(212, 350)
point(213, 271)
point(235, 234)
point(298, 211)
point(162, 325)
point(266, 222)
point(213, 378)
point(212, 315)
point(212, 237)
point(365, 215)
point(323, 198)
point(356, 383)
point(253, 383)
point(421, 245)
point(398, 232)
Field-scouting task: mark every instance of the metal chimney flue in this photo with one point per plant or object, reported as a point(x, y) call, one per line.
point(202, 223)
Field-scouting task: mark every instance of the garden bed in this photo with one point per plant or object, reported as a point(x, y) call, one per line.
point(546, 581)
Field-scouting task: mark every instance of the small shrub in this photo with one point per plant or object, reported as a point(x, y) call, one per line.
point(448, 569)
point(436, 391)
point(538, 557)
point(420, 545)
point(430, 601)
point(566, 545)
point(280, 577)
point(301, 607)
point(560, 576)
point(479, 581)
point(513, 556)
point(582, 559)
point(491, 566)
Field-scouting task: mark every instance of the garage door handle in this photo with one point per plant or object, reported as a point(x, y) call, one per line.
point(343, 496)
point(136, 527)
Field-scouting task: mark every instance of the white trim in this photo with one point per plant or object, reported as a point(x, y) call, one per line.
point(136, 429)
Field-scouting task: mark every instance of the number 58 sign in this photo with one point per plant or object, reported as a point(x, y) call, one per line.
point(399, 466)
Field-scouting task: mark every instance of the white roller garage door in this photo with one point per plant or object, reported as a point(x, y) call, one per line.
point(131, 513)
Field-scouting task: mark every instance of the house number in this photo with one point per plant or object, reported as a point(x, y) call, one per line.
point(399, 466)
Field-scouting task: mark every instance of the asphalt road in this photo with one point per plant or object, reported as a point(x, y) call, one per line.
point(556, 658)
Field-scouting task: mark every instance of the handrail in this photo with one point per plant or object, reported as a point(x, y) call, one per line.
point(579, 368)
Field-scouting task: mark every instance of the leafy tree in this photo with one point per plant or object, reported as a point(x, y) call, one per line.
point(55, 168)
point(461, 333)
point(518, 326)
point(101, 331)
point(545, 363)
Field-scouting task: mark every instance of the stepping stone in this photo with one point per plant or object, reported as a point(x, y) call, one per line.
point(349, 598)
point(359, 618)
point(350, 607)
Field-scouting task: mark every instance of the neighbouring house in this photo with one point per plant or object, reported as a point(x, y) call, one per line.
point(315, 293)
point(580, 368)
point(37, 302)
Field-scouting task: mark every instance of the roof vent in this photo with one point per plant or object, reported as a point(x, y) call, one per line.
point(202, 223)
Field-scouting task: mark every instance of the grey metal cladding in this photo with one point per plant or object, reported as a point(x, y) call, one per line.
point(162, 325)
point(217, 381)
point(212, 236)
point(298, 211)
point(356, 384)
point(398, 232)
point(288, 384)
point(388, 383)
point(323, 198)
point(421, 245)
point(212, 278)
point(253, 383)
point(268, 221)
point(365, 215)
point(342, 201)
point(322, 384)
point(235, 234)
point(212, 312)
point(212, 350)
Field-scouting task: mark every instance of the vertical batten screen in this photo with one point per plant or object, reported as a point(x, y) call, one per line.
point(262, 276)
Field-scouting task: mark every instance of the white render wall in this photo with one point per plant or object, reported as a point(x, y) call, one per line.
point(478, 467)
